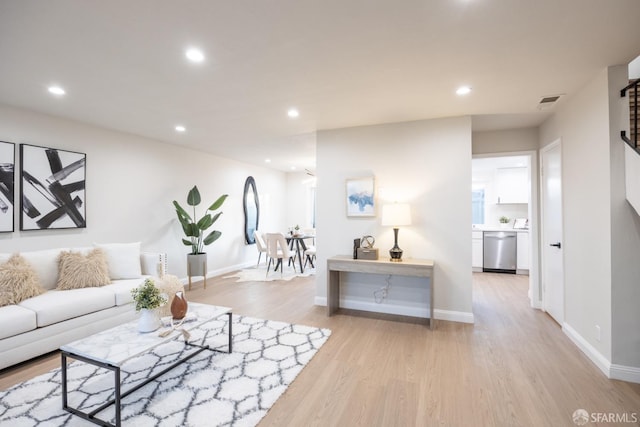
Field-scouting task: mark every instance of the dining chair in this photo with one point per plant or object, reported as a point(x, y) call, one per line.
point(310, 256)
point(261, 245)
point(278, 249)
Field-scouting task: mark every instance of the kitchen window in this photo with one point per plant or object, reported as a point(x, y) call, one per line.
point(477, 206)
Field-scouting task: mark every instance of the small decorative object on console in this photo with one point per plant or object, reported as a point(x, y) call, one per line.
point(356, 246)
point(366, 249)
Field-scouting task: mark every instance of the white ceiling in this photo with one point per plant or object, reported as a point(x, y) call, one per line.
point(340, 62)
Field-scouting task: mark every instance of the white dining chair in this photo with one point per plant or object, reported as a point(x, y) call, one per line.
point(261, 246)
point(310, 256)
point(278, 249)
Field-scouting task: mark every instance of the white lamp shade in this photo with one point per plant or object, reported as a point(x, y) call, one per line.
point(396, 214)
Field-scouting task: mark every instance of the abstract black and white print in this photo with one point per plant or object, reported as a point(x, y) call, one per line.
point(52, 194)
point(7, 167)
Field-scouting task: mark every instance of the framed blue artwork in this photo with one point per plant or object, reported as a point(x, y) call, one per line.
point(361, 197)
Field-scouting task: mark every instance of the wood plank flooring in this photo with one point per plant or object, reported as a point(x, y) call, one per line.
point(513, 367)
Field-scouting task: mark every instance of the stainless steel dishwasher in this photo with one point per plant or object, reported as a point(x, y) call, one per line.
point(499, 251)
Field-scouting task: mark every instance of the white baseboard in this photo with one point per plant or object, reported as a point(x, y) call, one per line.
point(454, 316)
point(615, 372)
point(218, 272)
point(625, 373)
point(594, 355)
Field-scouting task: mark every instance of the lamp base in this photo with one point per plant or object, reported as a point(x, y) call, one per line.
point(396, 254)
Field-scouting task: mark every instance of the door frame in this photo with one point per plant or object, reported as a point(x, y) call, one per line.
point(552, 145)
point(534, 244)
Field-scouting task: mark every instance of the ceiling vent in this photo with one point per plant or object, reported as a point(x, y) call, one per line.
point(548, 101)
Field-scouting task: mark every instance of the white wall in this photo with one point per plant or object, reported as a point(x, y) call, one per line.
point(634, 69)
point(299, 207)
point(424, 163)
point(625, 236)
point(601, 230)
point(505, 141)
point(582, 123)
point(131, 182)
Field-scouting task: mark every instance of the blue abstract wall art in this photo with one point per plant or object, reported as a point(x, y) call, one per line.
point(361, 197)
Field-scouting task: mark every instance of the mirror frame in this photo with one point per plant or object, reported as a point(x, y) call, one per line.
point(250, 184)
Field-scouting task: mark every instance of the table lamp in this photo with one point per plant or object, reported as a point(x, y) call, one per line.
point(395, 215)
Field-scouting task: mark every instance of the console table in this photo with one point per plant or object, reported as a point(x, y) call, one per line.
point(345, 263)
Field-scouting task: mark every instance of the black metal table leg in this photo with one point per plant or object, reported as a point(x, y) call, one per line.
point(230, 334)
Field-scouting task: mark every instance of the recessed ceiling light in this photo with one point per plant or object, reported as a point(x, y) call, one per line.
point(293, 113)
point(267, 160)
point(180, 128)
point(56, 90)
point(463, 90)
point(194, 55)
point(293, 168)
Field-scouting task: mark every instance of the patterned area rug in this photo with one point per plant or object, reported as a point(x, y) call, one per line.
point(259, 274)
point(211, 389)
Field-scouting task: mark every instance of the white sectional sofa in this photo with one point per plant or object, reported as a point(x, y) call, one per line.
point(43, 323)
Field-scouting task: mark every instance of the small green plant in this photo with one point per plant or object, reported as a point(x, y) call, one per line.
point(147, 296)
point(504, 220)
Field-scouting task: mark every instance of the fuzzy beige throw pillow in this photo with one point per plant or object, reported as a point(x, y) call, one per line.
point(18, 281)
point(76, 270)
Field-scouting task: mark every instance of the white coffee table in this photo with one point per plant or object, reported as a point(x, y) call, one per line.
point(110, 349)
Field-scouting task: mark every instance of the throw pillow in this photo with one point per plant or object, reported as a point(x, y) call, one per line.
point(18, 281)
point(76, 270)
point(123, 260)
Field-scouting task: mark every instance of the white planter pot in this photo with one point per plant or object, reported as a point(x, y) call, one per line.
point(148, 321)
point(197, 264)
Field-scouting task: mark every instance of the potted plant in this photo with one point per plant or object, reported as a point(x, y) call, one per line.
point(148, 298)
point(504, 221)
point(194, 229)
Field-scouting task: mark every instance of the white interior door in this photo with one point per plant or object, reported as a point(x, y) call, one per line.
point(552, 259)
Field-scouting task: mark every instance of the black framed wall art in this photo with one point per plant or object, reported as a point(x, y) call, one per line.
point(7, 194)
point(52, 191)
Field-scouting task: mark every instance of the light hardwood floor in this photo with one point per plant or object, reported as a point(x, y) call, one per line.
point(513, 367)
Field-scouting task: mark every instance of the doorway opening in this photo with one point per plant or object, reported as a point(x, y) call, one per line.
point(504, 194)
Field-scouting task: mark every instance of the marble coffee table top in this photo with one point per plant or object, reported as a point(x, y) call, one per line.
point(116, 345)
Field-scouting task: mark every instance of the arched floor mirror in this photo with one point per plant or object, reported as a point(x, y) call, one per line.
point(251, 210)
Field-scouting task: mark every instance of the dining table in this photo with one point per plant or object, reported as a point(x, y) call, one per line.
point(296, 243)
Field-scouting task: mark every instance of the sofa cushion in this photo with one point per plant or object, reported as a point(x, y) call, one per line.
point(122, 289)
point(56, 306)
point(16, 320)
point(18, 281)
point(45, 263)
point(123, 260)
point(77, 270)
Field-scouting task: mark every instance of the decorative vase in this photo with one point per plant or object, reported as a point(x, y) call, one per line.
point(178, 306)
point(148, 321)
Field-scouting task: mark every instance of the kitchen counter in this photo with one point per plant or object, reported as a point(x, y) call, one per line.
point(498, 228)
